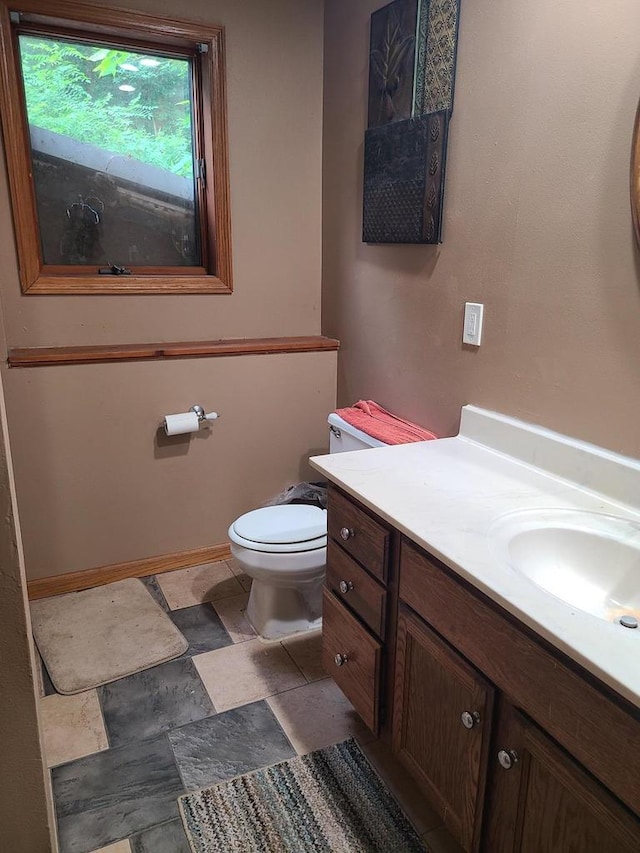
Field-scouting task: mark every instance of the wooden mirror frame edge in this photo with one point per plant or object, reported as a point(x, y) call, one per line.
point(634, 182)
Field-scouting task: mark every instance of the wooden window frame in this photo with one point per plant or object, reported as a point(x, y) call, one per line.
point(150, 32)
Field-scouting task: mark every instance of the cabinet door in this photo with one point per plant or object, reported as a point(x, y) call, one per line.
point(442, 725)
point(541, 800)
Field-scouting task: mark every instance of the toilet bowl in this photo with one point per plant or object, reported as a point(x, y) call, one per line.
point(283, 549)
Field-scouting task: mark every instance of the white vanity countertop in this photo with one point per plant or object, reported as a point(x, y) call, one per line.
point(446, 494)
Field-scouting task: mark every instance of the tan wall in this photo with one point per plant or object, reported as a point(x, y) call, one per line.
point(25, 803)
point(93, 486)
point(97, 483)
point(537, 226)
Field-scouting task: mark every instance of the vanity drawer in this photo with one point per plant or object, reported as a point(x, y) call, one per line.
point(359, 534)
point(352, 657)
point(356, 588)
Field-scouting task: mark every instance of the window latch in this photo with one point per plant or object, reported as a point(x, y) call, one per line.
point(114, 269)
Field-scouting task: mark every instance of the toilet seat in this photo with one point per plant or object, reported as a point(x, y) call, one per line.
point(281, 529)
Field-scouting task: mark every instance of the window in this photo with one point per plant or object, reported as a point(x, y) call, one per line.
point(115, 132)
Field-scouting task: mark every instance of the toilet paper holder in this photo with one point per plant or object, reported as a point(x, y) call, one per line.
point(184, 423)
point(202, 415)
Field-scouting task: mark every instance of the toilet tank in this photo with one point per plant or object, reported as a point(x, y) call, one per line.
point(343, 436)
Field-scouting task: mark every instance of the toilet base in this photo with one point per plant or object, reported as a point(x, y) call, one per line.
point(278, 612)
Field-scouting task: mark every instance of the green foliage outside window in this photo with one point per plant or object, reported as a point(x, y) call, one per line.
point(74, 89)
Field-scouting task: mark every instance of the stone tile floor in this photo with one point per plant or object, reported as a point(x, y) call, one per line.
point(121, 754)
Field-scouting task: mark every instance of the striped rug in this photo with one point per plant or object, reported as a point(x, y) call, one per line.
point(330, 800)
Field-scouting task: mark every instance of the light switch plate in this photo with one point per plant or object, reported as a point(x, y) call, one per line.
point(472, 331)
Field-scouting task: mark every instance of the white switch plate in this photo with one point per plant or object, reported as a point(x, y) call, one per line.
point(472, 331)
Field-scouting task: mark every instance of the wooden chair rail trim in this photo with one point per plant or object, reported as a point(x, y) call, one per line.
point(48, 356)
point(75, 581)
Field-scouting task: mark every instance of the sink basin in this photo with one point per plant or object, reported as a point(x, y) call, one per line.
point(589, 560)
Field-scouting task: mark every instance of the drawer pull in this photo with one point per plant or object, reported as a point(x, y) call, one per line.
point(347, 533)
point(345, 587)
point(470, 719)
point(340, 660)
point(507, 758)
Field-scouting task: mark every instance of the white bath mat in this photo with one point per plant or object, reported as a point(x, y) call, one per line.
point(95, 636)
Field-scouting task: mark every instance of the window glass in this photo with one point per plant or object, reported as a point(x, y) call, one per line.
point(112, 151)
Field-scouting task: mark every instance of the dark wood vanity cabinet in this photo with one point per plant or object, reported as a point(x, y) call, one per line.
point(547, 720)
point(517, 748)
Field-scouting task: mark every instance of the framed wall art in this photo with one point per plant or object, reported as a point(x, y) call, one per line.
point(412, 63)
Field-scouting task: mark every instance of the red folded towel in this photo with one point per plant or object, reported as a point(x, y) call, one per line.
point(381, 424)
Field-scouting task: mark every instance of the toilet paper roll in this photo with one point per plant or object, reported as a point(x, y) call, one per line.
point(182, 423)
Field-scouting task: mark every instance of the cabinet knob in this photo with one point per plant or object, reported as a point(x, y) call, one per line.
point(507, 758)
point(345, 587)
point(340, 660)
point(347, 533)
point(470, 719)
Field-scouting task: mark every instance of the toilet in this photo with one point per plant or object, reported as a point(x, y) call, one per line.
point(284, 550)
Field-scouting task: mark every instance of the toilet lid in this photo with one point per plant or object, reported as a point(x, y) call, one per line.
point(286, 524)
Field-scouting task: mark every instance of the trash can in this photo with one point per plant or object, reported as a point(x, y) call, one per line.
point(313, 494)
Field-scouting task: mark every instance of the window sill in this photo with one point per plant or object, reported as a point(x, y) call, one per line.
point(109, 285)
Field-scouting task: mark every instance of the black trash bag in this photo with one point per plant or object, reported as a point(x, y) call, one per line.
point(313, 494)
